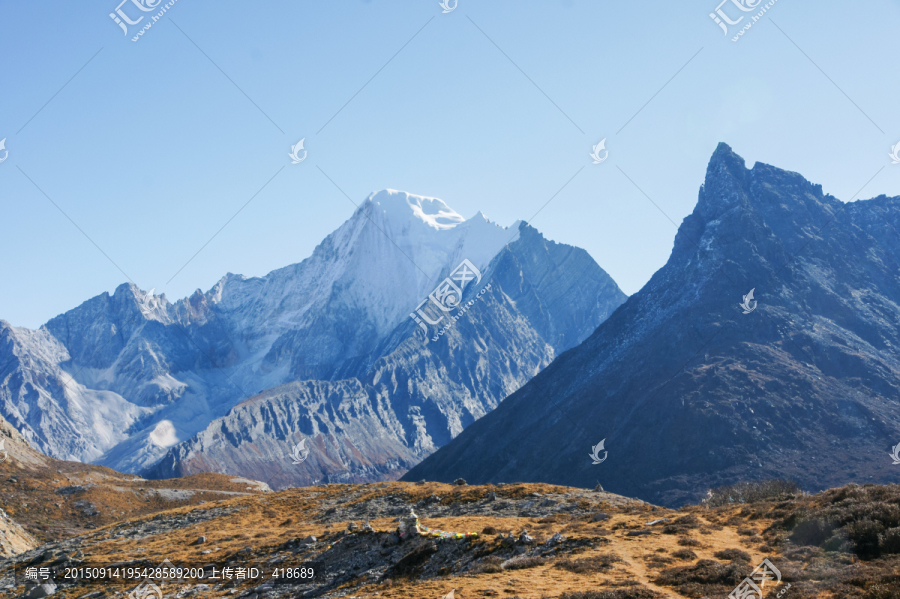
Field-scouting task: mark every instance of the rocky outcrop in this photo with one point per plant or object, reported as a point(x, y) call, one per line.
point(15, 450)
point(13, 538)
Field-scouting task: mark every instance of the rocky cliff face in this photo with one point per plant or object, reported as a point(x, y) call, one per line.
point(536, 299)
point(323, 347)
point(688, 391)
point(13, 538)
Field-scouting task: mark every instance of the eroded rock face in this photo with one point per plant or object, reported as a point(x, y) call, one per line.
point(13, 538)
point(689, 390)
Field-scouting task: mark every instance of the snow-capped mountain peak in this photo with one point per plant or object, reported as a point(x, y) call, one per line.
point(397, 206)
point(126, 375)
point(380, 263)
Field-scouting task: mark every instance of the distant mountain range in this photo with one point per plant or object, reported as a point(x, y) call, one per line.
point(694, 383)
point(322, 355)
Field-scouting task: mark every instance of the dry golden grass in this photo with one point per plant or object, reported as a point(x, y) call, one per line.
point(29, 495)
point(266, 522)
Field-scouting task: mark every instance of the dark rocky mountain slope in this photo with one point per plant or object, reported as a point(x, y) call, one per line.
point(689, 391)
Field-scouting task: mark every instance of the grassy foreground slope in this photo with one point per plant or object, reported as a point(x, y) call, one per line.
point(534, 540)
point(54, 499)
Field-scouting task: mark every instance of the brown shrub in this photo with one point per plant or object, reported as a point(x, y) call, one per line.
point(658, 561)
point(588, 565)
point(732, 555)
point(889, 541)
point(488, 565)
point(704, 578)
point(752, 491)
point(852, 518)
point(813, 531)
point(523, 562)
point(684, 554)
point(681, 525)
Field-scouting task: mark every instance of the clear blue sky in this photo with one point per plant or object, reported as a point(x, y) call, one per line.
point(150, 149)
